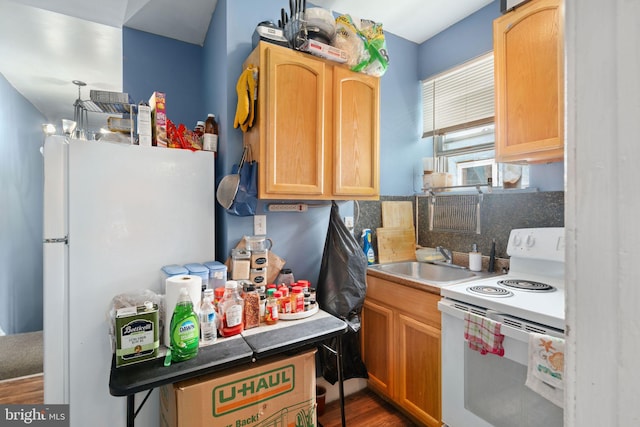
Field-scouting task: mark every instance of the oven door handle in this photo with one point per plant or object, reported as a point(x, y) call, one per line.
point(509, 326)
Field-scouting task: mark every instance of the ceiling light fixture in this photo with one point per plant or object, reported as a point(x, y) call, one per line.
point(48, 129)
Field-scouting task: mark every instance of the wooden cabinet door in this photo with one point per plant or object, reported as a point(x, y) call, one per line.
point(295, 136)
point(377, 346)
point(419, 377)
point(356, 109)
point(529, 77)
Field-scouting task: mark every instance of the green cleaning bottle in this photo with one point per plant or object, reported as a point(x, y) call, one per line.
point(185, 331)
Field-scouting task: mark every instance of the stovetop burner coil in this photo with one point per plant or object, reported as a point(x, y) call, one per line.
point(492, 291)
point(526, 285)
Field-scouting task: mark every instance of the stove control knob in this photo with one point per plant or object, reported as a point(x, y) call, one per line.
point(517, 240)
point(530, 241)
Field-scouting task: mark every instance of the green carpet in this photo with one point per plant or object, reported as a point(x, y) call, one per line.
point(20, 355)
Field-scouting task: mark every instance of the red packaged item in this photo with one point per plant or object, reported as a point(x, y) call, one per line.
point(181, 137)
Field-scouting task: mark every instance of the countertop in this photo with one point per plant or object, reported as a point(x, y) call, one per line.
point(253, 344)
point(423, 285)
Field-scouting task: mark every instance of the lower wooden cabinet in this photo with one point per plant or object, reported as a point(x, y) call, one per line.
point(401, 347)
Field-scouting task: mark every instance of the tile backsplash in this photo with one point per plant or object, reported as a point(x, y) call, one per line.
point(499, 213)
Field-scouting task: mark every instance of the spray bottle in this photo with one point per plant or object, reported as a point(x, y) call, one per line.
point(368, 249)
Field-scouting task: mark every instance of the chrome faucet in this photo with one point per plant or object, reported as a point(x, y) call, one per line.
point(446, 253)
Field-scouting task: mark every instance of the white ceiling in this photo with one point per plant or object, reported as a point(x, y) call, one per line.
point(52, 42)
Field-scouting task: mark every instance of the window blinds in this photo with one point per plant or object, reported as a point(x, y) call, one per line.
point(459, 98)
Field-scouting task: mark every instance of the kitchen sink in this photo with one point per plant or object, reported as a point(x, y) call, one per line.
point(430, 273)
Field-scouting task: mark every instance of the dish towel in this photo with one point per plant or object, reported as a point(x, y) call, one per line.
point(545, 374)
point(483, 334)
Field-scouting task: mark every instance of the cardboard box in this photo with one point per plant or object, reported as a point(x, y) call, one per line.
point(144, 126)
point(158, 105)
point(279, 391)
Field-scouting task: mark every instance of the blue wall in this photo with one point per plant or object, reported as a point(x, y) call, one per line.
point(299, 237)
point(155, 63)
point(21, 175)
point(465, 40)
point(400, 119)
point(459, 43)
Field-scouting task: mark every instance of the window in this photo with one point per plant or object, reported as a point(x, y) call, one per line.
point(458, 117)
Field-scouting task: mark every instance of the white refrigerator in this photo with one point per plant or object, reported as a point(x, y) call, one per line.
point(114, 214)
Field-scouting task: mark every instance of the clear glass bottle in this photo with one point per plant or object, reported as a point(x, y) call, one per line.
point(210, 137)
point(208, 319)
point(231, 309)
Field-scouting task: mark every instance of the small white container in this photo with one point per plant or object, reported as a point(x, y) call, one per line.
point(475, 259)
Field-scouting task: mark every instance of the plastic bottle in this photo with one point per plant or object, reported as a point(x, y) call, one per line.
point(230, 309)
point(297, 299)
point(286, 277)
point(304, 284)
point(368, 249)
point(263, 303)
point(285, 299)
point(199, 128)
point(271, 308)
point(185, 331)
point(218, 293)
point(208, 319)
point(475, 259)
point(251, 308)
point(210, 137)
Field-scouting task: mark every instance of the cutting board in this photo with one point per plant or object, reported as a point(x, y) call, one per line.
point(396, 244)
point(397, 214)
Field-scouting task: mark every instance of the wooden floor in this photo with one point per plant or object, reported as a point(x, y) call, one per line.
point(25, 390)
point(364, 408)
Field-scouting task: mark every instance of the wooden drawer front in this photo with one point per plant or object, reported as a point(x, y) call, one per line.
point(421, 305)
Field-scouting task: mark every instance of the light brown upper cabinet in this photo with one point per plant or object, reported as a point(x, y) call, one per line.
point(316, 134)
point(529, 83)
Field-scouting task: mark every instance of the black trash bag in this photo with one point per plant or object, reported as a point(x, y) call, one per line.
point(340, 291)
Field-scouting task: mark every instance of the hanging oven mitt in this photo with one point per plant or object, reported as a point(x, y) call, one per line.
point(245, 88)
point(252, 83)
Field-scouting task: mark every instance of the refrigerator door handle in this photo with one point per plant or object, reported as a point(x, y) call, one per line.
point(64, 240)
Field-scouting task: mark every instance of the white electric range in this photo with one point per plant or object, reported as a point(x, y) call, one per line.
point(488, 390)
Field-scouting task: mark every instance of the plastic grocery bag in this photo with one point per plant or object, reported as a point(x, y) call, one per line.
point(340, 291)
point(364, 42)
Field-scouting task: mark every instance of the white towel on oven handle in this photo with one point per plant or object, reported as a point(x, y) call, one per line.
point(545, 373)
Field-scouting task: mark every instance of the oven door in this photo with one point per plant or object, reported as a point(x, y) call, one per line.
point(488, 390)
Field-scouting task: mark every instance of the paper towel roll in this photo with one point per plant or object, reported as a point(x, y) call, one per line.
point(173, 285)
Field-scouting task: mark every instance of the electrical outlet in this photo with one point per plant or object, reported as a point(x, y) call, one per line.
point(259, 225)
point(348, 221)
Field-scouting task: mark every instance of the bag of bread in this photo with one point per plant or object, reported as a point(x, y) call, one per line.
point(363, 41)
